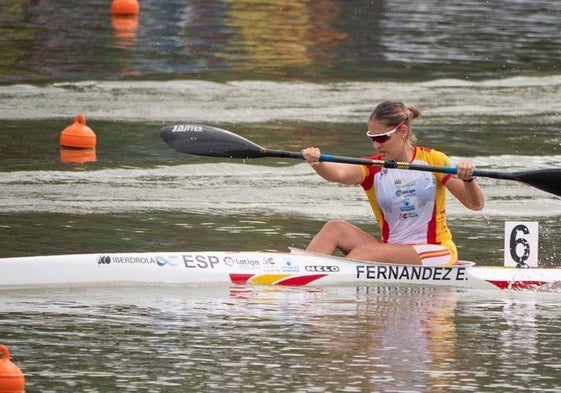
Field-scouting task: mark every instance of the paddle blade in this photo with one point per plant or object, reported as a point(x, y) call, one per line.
point(548, 180)
point(209, 141)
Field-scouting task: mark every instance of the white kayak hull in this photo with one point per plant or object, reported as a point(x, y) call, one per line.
point(259, 268)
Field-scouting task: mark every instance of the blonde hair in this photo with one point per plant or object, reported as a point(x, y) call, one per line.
point(393, 112)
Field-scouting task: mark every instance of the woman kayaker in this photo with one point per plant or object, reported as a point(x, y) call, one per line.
point(410, 206)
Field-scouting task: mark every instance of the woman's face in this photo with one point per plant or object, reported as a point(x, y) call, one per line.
point(389, 142)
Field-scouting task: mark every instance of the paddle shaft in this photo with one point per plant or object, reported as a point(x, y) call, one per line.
point(385, 164)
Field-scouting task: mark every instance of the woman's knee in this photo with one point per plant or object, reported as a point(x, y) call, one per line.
point(335, 226)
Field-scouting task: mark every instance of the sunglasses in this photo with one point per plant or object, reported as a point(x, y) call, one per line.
point(385, 136)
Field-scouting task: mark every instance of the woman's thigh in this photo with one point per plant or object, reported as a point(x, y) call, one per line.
point(384, 252)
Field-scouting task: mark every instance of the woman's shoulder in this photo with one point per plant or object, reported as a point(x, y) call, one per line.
point(431, 156)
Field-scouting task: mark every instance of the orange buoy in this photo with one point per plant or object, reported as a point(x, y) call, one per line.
point(125, 7)
point(78, 135)
point(12, 379)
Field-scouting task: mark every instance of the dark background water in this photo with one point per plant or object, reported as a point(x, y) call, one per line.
point(45, 41)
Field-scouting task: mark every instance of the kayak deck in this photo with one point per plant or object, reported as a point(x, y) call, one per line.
point(258, 268)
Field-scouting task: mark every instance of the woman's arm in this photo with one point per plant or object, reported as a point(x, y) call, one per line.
point(465, 188)
point(331, 171)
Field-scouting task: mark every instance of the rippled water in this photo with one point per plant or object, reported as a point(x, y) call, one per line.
point(283, 340)
point(302, 73)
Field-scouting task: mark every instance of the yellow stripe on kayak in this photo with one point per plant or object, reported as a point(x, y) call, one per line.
point(268, 279)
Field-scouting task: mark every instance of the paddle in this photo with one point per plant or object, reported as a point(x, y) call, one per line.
point(210, 141)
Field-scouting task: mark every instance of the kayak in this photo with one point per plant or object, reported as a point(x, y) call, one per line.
point(294, 268)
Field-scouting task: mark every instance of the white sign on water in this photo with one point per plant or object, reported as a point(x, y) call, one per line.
point(521, 244)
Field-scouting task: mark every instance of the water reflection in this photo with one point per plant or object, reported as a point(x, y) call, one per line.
point(389, 331)
point(513, 347)
point(269, 35)
point(205, 338)
point(66, 50)
point(256, 338)
point(77, 156)
point(125, 30)
point(328, 39)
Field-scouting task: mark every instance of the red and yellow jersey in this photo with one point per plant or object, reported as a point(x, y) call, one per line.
point(410, 206)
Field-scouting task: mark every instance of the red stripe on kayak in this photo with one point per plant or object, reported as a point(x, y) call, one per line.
point(240, 279)
point(517, 284)
point(300, 280)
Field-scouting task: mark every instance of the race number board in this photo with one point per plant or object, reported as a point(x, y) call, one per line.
point(521, 244)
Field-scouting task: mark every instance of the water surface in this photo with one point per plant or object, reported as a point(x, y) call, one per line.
point(300, 73)
point(171, 338)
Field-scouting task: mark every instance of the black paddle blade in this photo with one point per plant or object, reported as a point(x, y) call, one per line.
point(209, 141)
point(548, 180)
